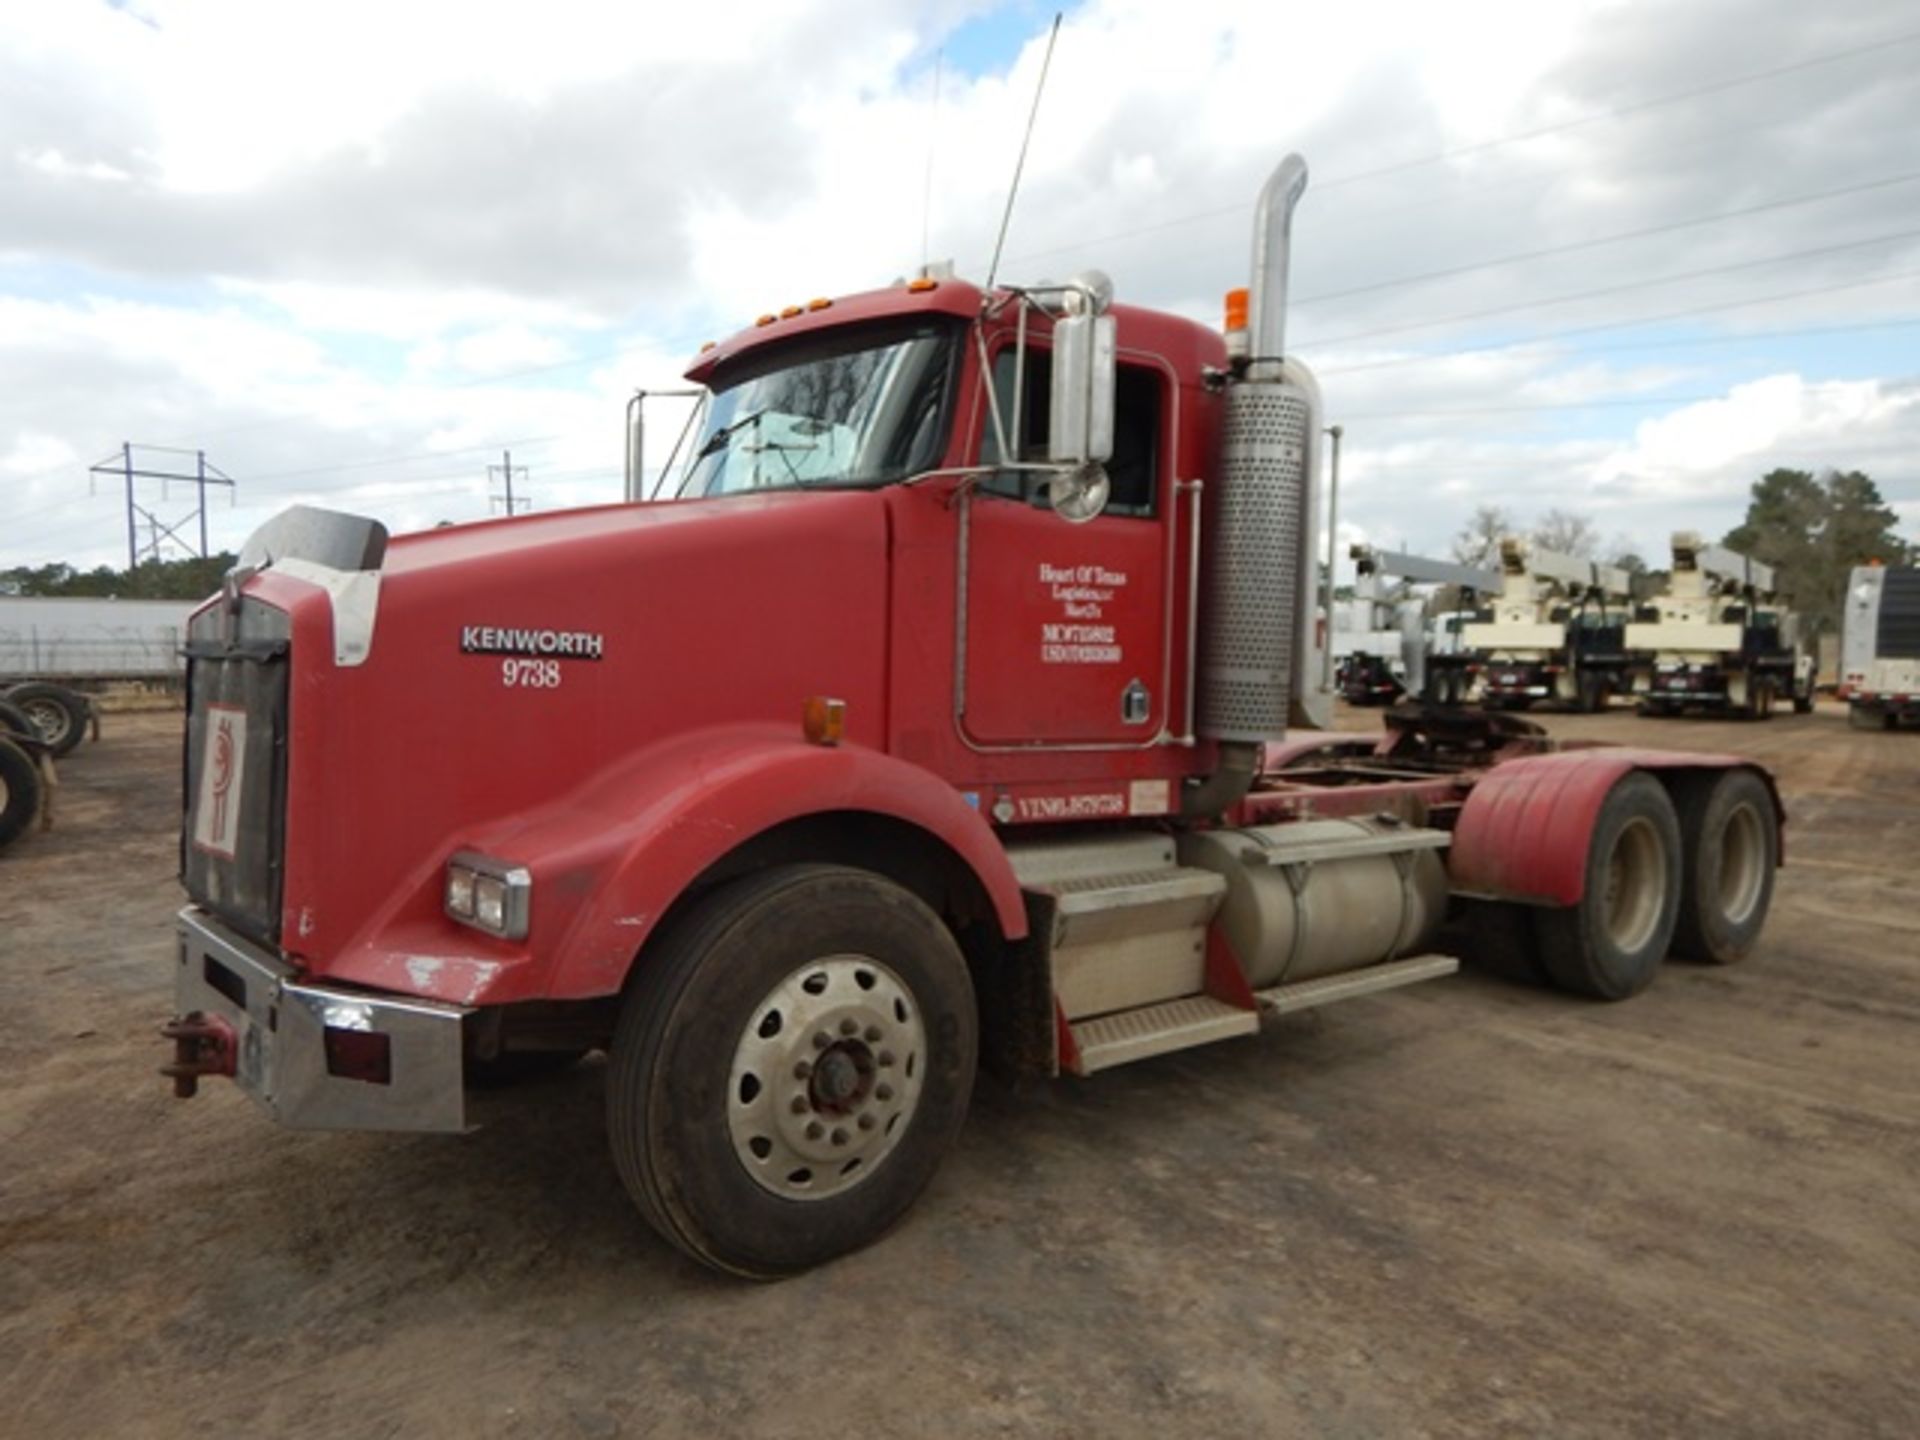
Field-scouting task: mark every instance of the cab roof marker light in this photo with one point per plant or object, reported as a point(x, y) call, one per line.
point(789, 312)
point(819, 302)
point(920, 284)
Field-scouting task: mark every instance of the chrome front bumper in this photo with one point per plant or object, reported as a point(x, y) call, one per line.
point(392, 1063)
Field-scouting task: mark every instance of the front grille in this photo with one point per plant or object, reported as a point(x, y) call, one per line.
point(233, 838)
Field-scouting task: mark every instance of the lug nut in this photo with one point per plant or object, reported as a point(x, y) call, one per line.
point(883, 1092)
point(849, 1026)
point(816, 1130)
point(803, 1070)
point(885, 1058)
point(800, 1106)
point(839, 1137)
point(873, 1034)
point(821, 1040)
point(866, 1122)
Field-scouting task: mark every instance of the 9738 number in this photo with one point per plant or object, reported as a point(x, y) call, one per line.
point(530, 674)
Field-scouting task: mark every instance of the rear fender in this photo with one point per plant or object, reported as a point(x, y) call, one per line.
point(651, 830)
point(1525, 830)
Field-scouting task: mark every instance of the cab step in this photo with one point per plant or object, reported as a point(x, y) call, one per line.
point(1306, 994)
point(1156, 1030)
point(1127, 922)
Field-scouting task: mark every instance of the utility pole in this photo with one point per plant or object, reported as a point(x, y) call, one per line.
point(159, 532)
point(506, 470)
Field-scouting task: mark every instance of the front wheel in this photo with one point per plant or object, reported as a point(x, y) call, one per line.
point(1610, 944)
point(790, 1067)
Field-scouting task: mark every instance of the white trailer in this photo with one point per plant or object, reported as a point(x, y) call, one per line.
point(1720, 639)
point(1880, 647)
point(75, 640)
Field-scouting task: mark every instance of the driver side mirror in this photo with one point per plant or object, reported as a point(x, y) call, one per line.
point(1080, 416)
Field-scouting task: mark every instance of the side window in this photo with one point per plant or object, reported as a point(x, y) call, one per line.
point(1134, 469)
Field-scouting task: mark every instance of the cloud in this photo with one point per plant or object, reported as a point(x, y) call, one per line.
point(307, 237)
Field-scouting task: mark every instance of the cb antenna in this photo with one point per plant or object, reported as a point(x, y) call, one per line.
point(1021, 164)
point(933, 144)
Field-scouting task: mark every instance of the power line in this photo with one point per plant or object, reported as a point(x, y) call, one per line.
point(1603, 326)
point(1573, 247)
point(1619, 289)
point(1520, 137)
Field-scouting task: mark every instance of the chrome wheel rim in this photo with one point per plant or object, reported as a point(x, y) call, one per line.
point(826, 1077)
point(1743, 865)
point(1636, 885)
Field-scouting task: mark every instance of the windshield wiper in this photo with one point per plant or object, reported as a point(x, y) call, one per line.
point(723, 437)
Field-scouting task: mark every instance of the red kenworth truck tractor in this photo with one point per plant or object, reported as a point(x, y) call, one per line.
point(937, 717)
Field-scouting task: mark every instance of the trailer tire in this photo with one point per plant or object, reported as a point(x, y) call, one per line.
point(59, 715)
point(792, 1062)
point(19, 791)
point(14, 720)
point(1610, 944)
point(1593, 693)
point(1803, 700)
point(1731, 849)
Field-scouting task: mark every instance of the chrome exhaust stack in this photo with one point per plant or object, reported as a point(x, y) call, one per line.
point(1260, 650)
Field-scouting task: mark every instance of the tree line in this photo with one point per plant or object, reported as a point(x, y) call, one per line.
point(193, 579)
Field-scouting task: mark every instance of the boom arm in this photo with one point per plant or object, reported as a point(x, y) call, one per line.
point(1420, 569)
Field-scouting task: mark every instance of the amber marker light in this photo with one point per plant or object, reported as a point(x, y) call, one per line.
point(823, 721)
point(767, 319)
point(921, 284)
point(819, 302)
point(789, 312)
point(1236, 309)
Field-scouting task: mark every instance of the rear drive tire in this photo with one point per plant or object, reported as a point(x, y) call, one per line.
point(19, 791)
point(1731, 850)
point(58, 714)
point(791, 1064)
point(1610, 944)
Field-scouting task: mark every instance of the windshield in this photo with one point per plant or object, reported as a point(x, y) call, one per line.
point(861, 408)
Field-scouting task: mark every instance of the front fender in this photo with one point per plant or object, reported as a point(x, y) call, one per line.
point(619, 857)
point(1526, 828)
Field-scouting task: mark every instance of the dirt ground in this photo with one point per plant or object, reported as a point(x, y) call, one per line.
point(1469, 1208)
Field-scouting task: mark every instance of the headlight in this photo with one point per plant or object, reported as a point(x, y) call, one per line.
point(491, 895)
point(460, 892)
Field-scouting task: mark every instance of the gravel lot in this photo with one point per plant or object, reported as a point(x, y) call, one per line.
point(1469, 1208)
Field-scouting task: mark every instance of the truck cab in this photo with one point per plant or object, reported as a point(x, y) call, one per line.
point(935, 714)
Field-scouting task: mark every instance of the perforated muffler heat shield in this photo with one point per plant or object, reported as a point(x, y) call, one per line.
point(1253, 556)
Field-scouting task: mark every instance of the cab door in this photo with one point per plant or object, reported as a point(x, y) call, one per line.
point(1066, 628)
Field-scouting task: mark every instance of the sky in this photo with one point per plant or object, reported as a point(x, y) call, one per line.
point(1613, 258)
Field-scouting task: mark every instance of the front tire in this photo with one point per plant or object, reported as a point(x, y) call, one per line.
point(1732, 849)
point(1610, 944)
point(791, 1065)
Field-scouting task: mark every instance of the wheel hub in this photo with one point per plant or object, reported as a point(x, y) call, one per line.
point(826, 1077)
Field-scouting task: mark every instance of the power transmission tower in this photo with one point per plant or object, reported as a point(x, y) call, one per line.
point(159, 532)
point(506, 470)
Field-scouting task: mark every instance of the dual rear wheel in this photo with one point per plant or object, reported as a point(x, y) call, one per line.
point(1691, 872)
